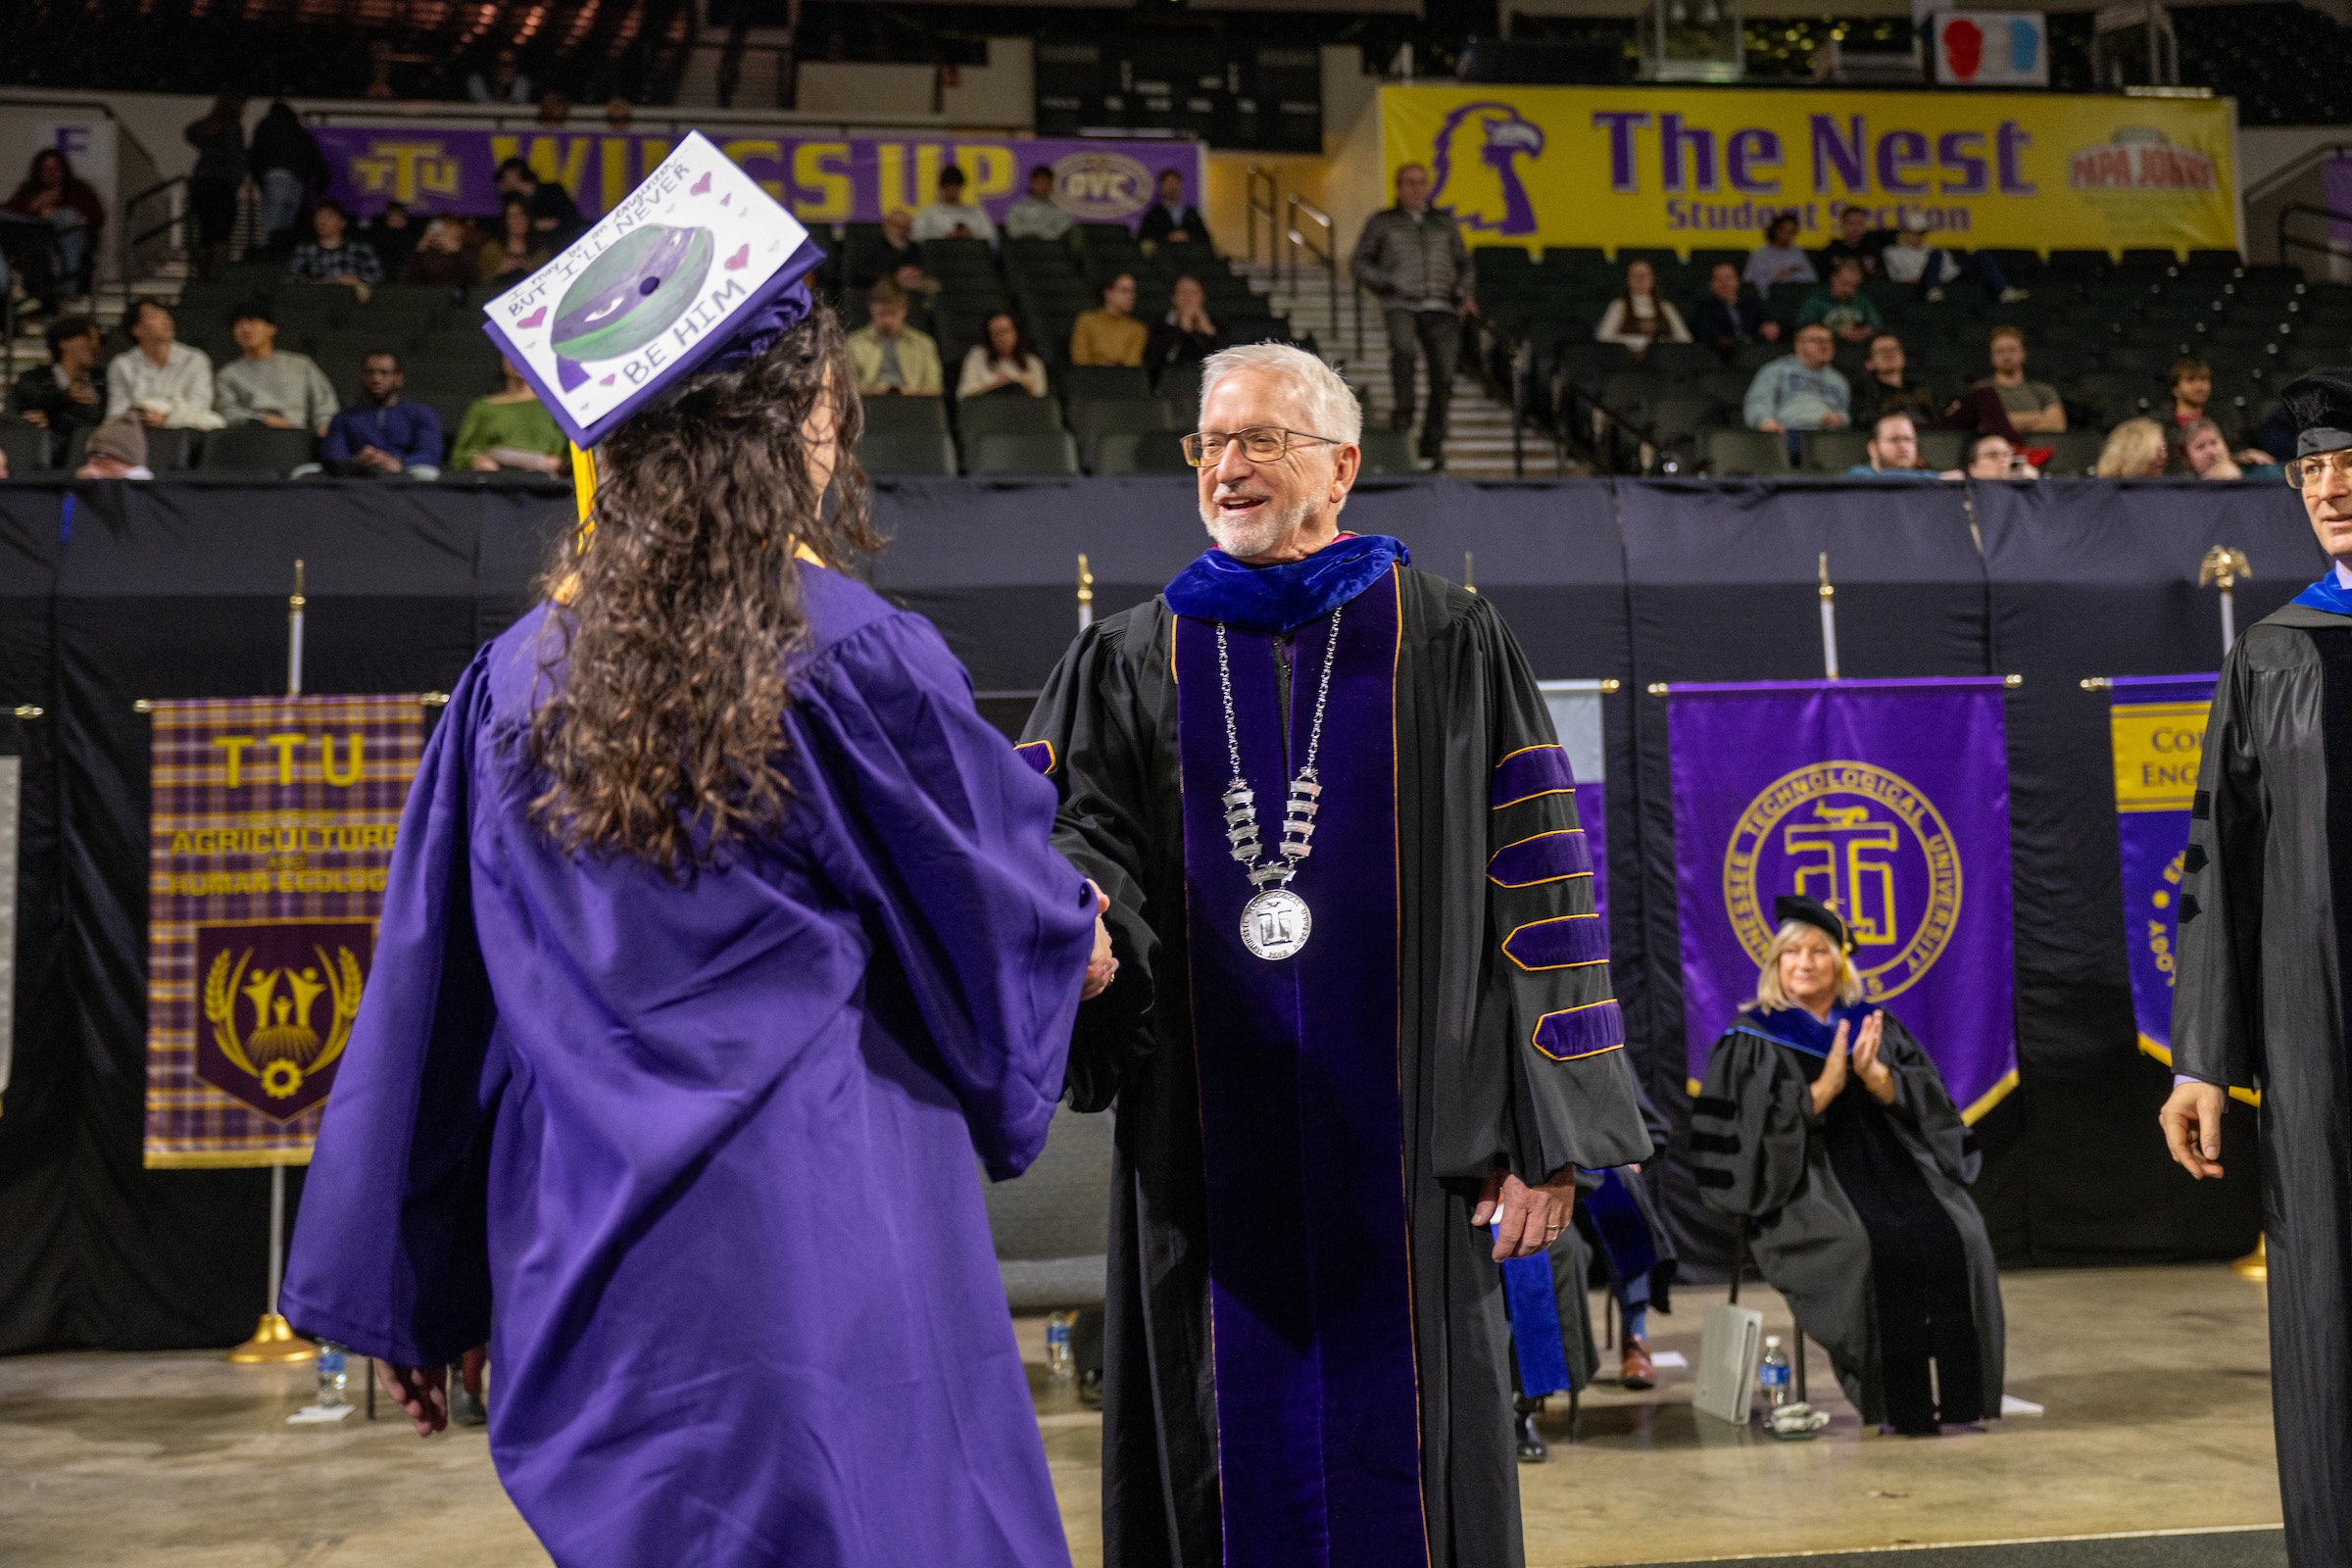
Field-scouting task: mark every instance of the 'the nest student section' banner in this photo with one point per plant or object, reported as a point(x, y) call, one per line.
point(819, 180)
point(270, 827)
point(1705, 167)
point(1886, 800)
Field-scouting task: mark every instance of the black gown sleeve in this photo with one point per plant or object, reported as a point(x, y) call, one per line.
point(2217, 995)
point(1088, 736)
point(1922, 1103)
point(1749, 1126)
point(1572, 1097)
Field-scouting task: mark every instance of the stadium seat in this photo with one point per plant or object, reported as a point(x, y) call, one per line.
point(1004, 414)
point(1744, 452)
point(899, 416)
point(168, 450)
point(256, 449)
point(2073, 452)
point(1388, 451)
point(1014, 453)
point(1834, 450)
point(1139, 451)
point(1180, 388)
point(1942, 450)
point(1094, 416)
point(1098, 383)
point(907, 454)
point(26, 446)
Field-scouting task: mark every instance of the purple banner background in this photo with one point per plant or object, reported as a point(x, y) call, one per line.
point(819, 180)
point(1888, 800)
point(2152, 843)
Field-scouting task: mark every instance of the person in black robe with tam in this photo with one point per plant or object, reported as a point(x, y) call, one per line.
point(1362, 1038)
point(2266, 969)
point(1823, 1126)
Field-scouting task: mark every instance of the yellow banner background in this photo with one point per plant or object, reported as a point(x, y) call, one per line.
point(1701, 168)
point(2156, 750)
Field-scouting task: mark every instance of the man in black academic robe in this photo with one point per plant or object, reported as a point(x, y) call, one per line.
point(1306, 1353)
point(2266, 972)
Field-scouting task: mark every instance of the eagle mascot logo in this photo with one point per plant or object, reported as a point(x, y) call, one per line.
point(1476, 167)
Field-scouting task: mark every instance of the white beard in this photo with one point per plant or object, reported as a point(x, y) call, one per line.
point(1257, 534)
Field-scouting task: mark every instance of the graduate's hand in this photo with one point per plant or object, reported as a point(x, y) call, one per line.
point(423, 1391)
point(2191, 1119)
point(1101, 968)
point(1526, 1219)
point(1875, 1075)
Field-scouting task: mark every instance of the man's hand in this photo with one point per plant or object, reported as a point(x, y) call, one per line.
point(420, 1391)
point(2191, 1119)
point(377, 459)
point(1101, 968)
point(153, 419)
point(38, 418)
point(1468, 307)
point(1526, 1219)
point(1833, 420)
point(278, 421)
point(1769, 426)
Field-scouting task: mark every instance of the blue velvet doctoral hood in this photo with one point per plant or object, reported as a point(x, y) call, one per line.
point(1281, 599)
point(1800, 1030)
point(2327, 594)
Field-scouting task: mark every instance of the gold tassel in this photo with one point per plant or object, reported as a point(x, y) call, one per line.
point(583, 491)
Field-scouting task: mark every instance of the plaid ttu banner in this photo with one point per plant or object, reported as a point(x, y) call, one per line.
point(271, 828)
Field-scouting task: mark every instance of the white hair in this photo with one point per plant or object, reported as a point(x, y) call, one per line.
point(1329, 402)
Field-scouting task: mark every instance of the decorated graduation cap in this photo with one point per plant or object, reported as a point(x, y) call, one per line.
point(2321, 405)
point(696, 269)
point(1789, 907)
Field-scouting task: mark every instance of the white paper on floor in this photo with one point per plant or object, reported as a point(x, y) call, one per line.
point(1666, 1359)
point(313, 1414)
point(2010, 1405)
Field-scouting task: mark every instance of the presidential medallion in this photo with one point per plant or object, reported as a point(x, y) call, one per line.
point(1275, 924)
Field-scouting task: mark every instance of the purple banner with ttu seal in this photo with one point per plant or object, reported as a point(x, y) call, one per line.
point(271, 826)
point(1886, 800)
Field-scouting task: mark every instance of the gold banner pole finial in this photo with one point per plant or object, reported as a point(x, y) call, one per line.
point(1086, 593)
point(2221, 568)
point(294, 607)
point(1828, 620)
point(1469, 572)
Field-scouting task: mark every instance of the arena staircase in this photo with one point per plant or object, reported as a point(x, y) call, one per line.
point(1478, 440)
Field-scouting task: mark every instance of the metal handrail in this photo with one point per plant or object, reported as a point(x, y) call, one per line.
point(132, 237)
point(1258, 175)
point(1294, 209)
point(2327, 247)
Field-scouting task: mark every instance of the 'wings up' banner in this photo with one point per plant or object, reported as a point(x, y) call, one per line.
point(2157, 723)
point(271, 826)
point(1886, 800)
point(1705, 167)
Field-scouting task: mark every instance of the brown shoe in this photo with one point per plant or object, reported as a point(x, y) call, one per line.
point(1637, 1370)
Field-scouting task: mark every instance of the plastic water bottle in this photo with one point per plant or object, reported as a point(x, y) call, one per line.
point(332, 1377)
point(1772, 1375)
point(1058, 1364)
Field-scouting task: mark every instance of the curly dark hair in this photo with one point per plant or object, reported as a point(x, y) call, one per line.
point(680, 612)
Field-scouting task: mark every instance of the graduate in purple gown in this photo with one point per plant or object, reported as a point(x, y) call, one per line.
point(722, 933)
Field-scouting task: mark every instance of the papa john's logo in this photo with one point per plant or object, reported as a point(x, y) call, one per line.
point(278, 1002)
point(2139, 158)
point(1866, 843)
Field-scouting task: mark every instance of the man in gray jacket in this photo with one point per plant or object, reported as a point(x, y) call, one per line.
point(1412, 258)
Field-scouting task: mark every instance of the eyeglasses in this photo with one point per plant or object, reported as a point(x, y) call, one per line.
point(2306, 472)
point(1261, 443)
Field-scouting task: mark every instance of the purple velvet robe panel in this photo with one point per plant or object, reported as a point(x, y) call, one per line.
point(698, 1159)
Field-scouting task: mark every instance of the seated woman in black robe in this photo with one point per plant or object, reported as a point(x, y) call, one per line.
point(1824, 1126)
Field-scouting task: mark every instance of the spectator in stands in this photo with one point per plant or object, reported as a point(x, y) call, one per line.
point(160, 380)
point(1887, 387)
point(443, 257)
point(283, 390)
point(116, 450)
point(518, 252)
point(1992, 455)
point(554, 217)
point(1037, 216)
point(1893, 451)
point(1778, 260)
point(1111, 334)
point(393, 237)
point(288, 169)
point(71, 206)
point(1637, 317)
point(891, 358)
point(2135, 450)
point(1856, 241)
point(1725, 317)
point(2206, 451)
point(379, 73)
point(63, 395)
point(1930, 267)
point(619, 114)
point(383, 433)
point(1186, 335)
point(1841, 305)
point(1004, 364)
point(505, 85)
point(217, 176)
point(2033, 408)
point(509, 430)
point(1800, 391)
point(894, 254)
point(333, 257)
point(950, 216)
point(554, 109)
point(1412, 258)
point(1172, 220)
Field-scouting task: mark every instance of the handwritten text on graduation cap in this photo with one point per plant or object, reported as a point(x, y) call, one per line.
point(647, 292)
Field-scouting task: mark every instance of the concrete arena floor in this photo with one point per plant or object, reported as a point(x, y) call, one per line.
point(2155, 1380)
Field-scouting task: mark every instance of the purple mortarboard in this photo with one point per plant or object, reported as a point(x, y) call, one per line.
point(697, 268)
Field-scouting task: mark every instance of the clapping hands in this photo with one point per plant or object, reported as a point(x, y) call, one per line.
point(1859, 1060)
